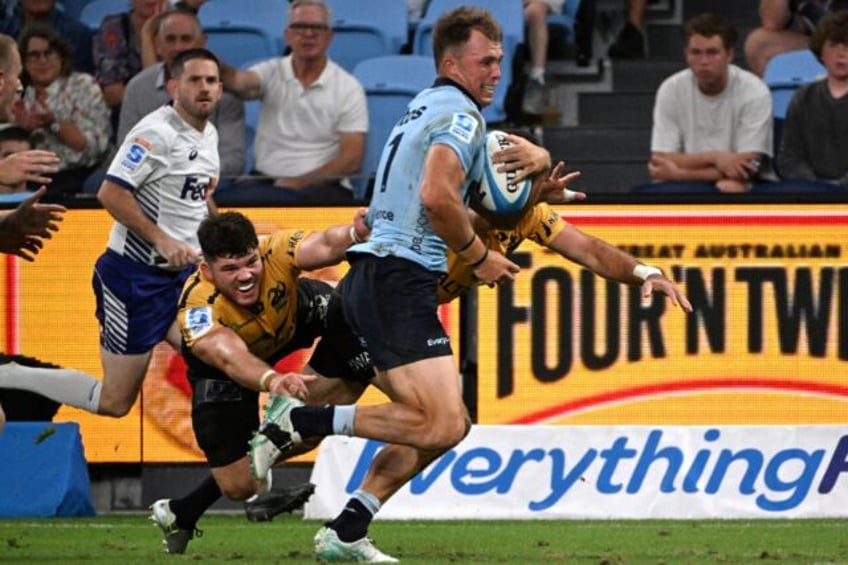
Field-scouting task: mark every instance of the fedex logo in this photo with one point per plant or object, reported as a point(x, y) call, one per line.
point(704, 465)
point(195, 188)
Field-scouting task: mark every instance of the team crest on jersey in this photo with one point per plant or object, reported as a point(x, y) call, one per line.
point(198, 321)
point(135, 154)
point(463, 127)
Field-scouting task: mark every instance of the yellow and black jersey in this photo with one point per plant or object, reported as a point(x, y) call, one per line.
point(267, 326)
point(542, 225)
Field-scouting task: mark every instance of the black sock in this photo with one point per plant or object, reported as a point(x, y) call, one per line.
point(191, 507)
point(313, 421)
point(352, 524)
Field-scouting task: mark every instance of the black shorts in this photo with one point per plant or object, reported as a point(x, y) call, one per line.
point(340, 354)
point(391, 304)
point(224, 416)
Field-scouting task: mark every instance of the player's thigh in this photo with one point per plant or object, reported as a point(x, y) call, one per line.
point(224, 417)
point(324, 390)
point(431, 385)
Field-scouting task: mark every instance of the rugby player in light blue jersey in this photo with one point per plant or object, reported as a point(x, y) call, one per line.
point(418, 210)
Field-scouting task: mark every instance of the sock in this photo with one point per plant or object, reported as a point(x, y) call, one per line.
point(352, 524)
point(313, 421)
point(61, 385)
point(191, 507)
point(538, 74)
point(343, 420)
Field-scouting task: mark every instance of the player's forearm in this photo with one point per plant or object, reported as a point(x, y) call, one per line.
point(224, 350)
point(125, 209)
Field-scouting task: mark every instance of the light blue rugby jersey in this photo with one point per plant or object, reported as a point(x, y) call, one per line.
point(442, 114)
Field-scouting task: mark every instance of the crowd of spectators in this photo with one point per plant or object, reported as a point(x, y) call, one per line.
point(83, 90)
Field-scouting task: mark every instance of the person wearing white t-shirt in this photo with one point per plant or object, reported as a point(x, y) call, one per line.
point(712, 121)
point(313, 118)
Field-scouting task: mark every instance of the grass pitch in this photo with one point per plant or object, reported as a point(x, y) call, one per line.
point(130, 539)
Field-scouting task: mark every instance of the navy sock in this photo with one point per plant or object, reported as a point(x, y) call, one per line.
point(313, 421)
point(352, 524)
point(191, 507)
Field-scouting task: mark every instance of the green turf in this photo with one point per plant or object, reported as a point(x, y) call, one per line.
point(231, 539)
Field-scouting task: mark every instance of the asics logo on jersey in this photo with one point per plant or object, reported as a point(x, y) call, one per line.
point(413, 114)
point(192, 155)
point(194, 188)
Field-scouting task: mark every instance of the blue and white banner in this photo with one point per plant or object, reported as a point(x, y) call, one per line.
point(554, 472)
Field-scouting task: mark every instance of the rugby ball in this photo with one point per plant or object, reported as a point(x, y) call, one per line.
point(497, 193)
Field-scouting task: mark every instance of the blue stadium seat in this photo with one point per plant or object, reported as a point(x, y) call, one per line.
point(509, 15)
point(390, 83)
point(93, 13)
point(562, 24)
point(251, 121)
point(786, 72)
point(244, 30)
point(365, 29)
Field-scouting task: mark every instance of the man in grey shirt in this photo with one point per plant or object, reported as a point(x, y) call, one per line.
point(173, 32)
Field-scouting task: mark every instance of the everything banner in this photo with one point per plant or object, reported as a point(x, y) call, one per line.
point(767, 342)
point(555, 472)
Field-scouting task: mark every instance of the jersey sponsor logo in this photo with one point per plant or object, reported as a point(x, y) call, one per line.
point(192, 155)
point(463, 127)
point(198, 321)
point(135, 155)
point(195, 188)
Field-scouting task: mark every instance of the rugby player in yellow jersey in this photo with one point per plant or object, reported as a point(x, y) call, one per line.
point(244, 309)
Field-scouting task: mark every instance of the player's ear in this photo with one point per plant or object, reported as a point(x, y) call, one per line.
point(172, 87)
point(205, 270)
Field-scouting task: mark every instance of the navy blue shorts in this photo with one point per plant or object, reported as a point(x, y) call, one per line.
point(136, 303)
point(391, 304)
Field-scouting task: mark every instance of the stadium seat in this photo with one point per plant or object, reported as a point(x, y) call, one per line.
point(244, 30)
point(251, 121)
point(93, 13)
point(510, 15)
point(390, 83)
point(562, 24)
point(786, 73)
point(366, 29)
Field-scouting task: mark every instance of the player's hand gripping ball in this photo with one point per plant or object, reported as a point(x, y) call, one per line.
point(497, 192)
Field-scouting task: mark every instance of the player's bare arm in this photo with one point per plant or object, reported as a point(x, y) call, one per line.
point(121, 204)
point(440, 197)
point(223, 349)
point(612, 263)
point(328, 247)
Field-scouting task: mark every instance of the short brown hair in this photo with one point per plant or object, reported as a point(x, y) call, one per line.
point(454, 28)
point(833, 27)
point(709, 25)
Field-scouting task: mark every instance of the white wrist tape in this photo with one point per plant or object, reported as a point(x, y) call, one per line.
point(262, 385)
point(354, 236)
point(644, 271)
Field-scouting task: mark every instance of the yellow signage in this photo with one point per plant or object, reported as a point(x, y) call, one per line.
point(49, 315)
point(767, 342)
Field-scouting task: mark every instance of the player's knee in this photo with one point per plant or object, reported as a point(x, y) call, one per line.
point(114, 408)
point(446, 435)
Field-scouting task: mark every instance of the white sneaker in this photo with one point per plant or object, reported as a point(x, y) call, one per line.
point(275, 438)
point(176, 540)
point(329, 548)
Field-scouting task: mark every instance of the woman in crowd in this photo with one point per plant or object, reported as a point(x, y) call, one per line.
point(64, 110)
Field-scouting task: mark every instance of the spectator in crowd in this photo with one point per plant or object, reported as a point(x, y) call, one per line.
point(175, 31)
point(117, 51)
point(64, 109)
point(14, 139)
point(630, 42)
point(814, 145)
point(44, 11)
point(536, 18)
point(712, 125)
point(785, 25)
point(313, 118)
